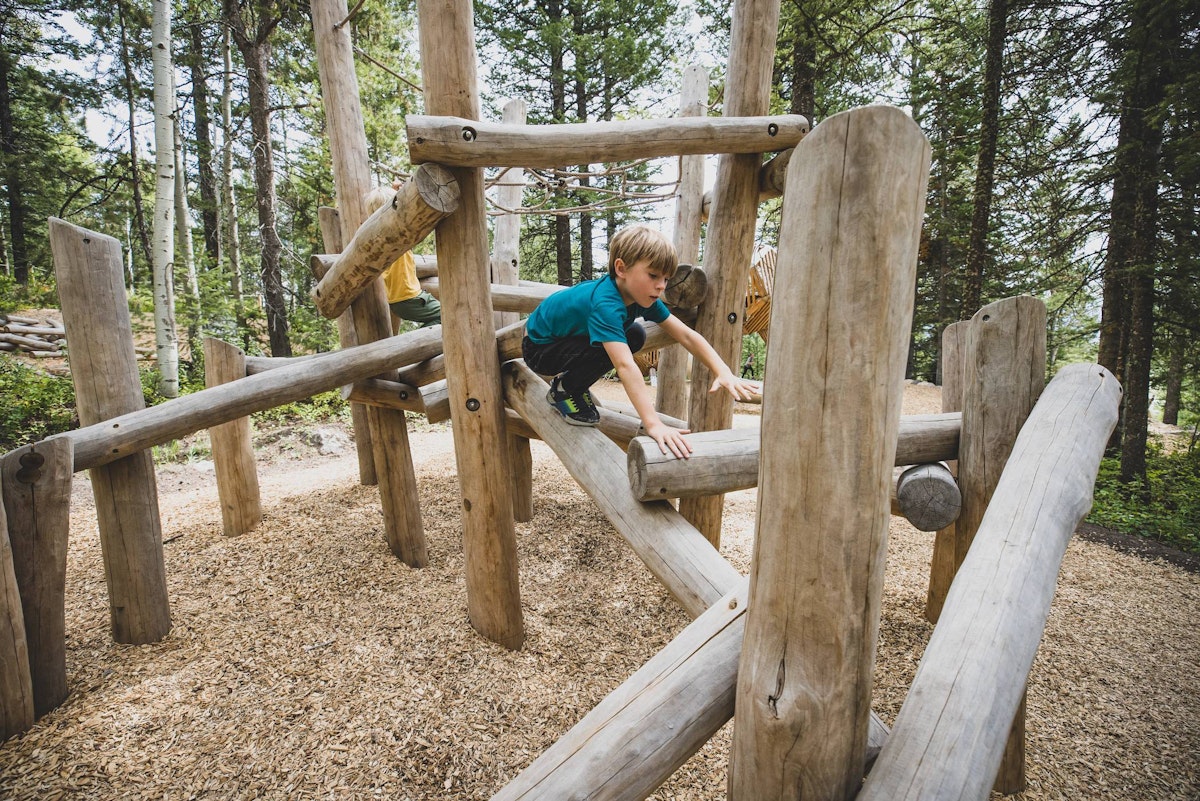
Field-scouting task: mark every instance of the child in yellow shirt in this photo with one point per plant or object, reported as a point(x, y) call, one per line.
point(405, 297)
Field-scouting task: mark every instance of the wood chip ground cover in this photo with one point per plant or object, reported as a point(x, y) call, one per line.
point(307, 662)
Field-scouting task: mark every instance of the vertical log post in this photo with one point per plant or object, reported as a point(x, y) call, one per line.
point(731, 233)
point(447, 35)
point(506, 247)
point(104, 371)
point(232, 451)
point(351, 173)
point(1004, 370)
point(943, 564)
point(37, 497)
point(16, 686)
point(331, 233)
point(689, 201)
point(847, 267)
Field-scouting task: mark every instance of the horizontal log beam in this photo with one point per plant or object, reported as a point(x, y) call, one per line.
point(524, 297)
point(727, 461)
point(927, 496)
point(475, 143)
point(951, 731)
point(424, 200)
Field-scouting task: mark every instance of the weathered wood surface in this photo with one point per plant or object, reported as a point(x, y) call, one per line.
point(928, 496)
point(388, 394)
point(91, 291)
point(506, 236)
point(16, 684)
point(524, 297)
point(448, 58)
point(771, 177)
point(394, 229)
point(687, 565)
point(473, 143)
point(847, 269)
point(37, 498)
point(951, 731)
point(331, 235)
point(943, 563)
point(730, 240)
point(113, 439)
point(232, 449)
point(728, 460)
point(671, 397)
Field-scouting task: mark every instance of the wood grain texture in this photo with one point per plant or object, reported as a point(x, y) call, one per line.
point(951, 731)
point(459, 142)
point(847, 267)
point(37, 499)
point(232, 450)
point(447, 39)
point(16, 684)
point(91, 291)
point(928, 496)
point(506, 231)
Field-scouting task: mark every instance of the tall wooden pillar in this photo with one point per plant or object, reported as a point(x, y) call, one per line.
point(16, 688)
point(943, 565)
point(104, 370)
point(730, 242)
point(847, 265)
point(232, 449)
point(689, 204)
point(447, 33)
point(352, 178)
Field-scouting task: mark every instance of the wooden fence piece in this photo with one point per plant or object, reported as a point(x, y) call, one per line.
point(727, 461)
point(928, 496)
point(104, 370)
point(394, 229)
point(951, 731)
point(688, 566)
point(472, 143)
point(730, 241)
point(447, 39)
point(331, 235)
point(232, 450)
point(847, 266)
point(16, 685)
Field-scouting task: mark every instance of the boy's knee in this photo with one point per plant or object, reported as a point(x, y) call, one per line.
point(635, 336)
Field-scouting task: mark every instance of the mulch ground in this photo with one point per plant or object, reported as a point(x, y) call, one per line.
point(307, 662)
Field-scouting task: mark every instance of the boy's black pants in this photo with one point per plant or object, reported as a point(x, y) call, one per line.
point(579, 361)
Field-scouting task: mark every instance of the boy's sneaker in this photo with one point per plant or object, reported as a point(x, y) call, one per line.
point(578, 410)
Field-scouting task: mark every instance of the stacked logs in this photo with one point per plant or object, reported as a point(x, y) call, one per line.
point(40, 338)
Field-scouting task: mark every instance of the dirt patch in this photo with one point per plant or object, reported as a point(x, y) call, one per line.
point(307, 662)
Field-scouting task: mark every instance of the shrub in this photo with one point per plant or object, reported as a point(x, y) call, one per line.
point(1165, 508)
point(36, 405)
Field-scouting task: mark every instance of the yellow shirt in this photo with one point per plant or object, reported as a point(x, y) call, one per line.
point(401, 279)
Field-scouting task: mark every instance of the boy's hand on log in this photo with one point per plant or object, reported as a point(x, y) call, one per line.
point(742, 389)
point(670, 440)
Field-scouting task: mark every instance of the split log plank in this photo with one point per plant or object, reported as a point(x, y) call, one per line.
point(473, 143)
point(37, 499)
point(394, 229)
point(728, 460)
point(232, 450)
point(950, 734)
point(16, 684)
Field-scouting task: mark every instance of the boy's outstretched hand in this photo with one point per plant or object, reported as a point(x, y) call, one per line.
point(670, 440)
point(742, 389)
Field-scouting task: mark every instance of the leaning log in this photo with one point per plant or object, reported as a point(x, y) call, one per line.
point(396, 228)
point(950, 733)
point(37, 500)
point(474, 143)
point(727, 461)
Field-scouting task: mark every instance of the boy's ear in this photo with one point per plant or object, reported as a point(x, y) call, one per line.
point(619, 266)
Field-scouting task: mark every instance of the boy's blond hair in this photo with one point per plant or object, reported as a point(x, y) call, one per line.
point(377, 197)
point(639, 242)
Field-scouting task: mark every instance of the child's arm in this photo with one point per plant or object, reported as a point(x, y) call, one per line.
point(697, 345)
point(668, 438)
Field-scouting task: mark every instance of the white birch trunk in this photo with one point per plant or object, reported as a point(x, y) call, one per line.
point(183, 215)
point(165, 340)
point(231, 241)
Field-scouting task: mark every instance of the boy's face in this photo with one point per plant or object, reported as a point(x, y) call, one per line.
point(638, 283)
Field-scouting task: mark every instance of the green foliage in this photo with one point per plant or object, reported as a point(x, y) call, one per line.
point(36, 405)
point(317, 409)
point(1165, 508)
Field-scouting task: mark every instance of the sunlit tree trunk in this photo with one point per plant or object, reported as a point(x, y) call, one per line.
point(140, 229)
point(165, 340)
point(231, 238)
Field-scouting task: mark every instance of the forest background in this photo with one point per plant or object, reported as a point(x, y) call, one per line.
point(1065, 165)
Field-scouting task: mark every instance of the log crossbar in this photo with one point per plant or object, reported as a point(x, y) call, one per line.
point(474, 143)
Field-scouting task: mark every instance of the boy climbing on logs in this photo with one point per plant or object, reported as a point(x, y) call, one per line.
point(579, 334)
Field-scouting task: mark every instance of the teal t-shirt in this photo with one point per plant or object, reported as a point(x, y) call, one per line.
point(594, 309)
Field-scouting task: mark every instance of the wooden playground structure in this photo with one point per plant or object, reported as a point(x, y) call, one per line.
point(786, 652)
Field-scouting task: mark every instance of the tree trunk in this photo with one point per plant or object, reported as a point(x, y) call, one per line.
point(1174, 382)
point(231, 240)
point(985, 168)
point(165, 340)
point(12, 174)
point(204, 148)
point(135, 175)
point(257, 57)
